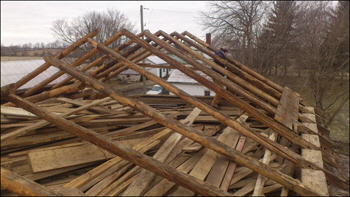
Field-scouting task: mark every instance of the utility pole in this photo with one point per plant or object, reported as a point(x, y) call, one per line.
point(143, 77)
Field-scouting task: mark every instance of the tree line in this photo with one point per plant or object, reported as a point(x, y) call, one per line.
point(23, 49)
point(309, 39)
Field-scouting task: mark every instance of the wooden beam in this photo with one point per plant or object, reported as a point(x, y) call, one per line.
point(22, 186)
point(238, 64)
point(86, 56)
point(155, 66)
point(185, 130)
point(129, 154)
point(214, 75)
point(244, 84)
point(244, 75)
point(60, 55)
point(279, 128)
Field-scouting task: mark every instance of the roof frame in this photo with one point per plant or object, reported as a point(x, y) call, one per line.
point(252, 87)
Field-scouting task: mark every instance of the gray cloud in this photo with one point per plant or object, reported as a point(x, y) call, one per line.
point(30, 21)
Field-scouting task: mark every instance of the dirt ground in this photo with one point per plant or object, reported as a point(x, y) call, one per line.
point(16, 58)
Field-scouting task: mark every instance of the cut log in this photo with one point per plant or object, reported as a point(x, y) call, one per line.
point(23, 186)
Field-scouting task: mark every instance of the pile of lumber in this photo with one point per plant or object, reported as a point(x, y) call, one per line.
point(57, 158)
point(82, 137)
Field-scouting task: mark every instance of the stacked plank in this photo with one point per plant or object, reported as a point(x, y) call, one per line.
point(48, 151)
point(57, 162)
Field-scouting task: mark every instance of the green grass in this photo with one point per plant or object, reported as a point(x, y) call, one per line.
point(339, 128)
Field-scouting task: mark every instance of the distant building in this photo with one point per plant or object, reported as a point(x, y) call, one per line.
point(160, 72)
point(131, 75)
point(189, 85)
point(13, 71)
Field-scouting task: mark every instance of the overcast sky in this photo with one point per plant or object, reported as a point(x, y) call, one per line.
point(31, 21)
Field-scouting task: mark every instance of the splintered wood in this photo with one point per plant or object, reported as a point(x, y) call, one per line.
point(85, 137)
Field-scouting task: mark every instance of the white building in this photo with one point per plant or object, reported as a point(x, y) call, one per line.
point(160, 72)
point(13, 71)
point(189, 85)
point(131, 75)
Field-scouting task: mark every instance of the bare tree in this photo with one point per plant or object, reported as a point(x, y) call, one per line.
point(234, 23)
point(107, 23)
point(320, 52)
point(338, 36)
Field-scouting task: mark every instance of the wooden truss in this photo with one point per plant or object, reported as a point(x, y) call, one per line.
point(266, 138)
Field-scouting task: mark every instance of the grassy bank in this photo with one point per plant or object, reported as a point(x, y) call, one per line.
point(339, 129)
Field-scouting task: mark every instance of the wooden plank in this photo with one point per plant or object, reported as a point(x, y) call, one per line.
point(287, 114)
point(43, 123)
point(308, 176)
point(104, 122)
point(98, 109)
point(246, 189)
point(83, 179)
point(174, 163)
point(244, 182)
point(275, 187)
point(218, 171)
point(103, 167)
point(95, 180)
point(165, 185)
point(207, 131)
point(15, 111)
point(122, 186)
point(114, 187)
point(43, 160)
point(266, 160)
point(203, 167)
point(35, 139)
point(178, 152)
point(41, 175)
point(232, 165)
point(243, 172)
point(288, 109)
point(104, 183)
point(138, 186)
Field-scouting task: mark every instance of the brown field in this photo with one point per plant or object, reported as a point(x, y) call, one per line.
point(17, 58)
point(32, 53)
